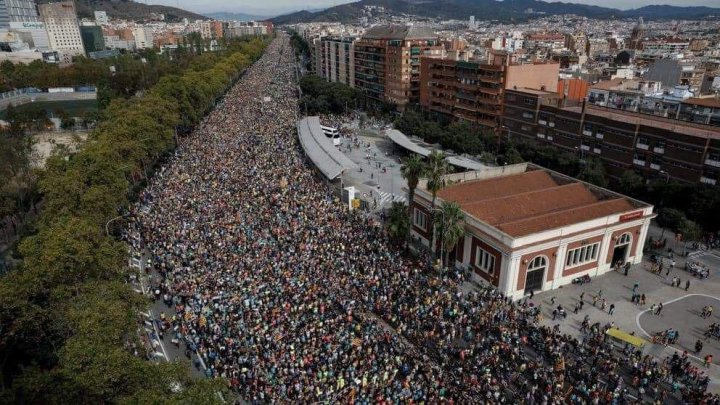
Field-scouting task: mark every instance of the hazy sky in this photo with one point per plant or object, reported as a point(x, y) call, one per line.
point(283, 6)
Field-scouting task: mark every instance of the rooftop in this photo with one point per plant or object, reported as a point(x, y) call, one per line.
point(404, 32)
point(704, 102)
point(534, 201)
point(680, 127)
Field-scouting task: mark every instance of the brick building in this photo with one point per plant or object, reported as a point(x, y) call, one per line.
point(387, 61)
point(652, 146)
point(530, 229)
point(473, 90)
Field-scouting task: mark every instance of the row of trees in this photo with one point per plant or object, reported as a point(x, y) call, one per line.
point(321, 97)
point(68, 321)
point(447, 221)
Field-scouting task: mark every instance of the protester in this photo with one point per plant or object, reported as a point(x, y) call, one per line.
point(294, 299)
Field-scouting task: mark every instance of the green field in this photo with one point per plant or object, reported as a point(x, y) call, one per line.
point(74, 108)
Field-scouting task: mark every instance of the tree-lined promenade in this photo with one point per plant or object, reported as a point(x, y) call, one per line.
point(68, 320)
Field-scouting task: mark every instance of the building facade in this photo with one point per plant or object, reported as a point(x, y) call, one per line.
point(92, 37)
point(143, 37)
point(337, 60)
point(63, 29)
point(473, 90)
point(387, 62)
point(528, 229)
point(17, 11)
point(652, 146)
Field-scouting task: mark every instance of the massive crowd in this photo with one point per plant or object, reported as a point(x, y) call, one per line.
point(292, 298)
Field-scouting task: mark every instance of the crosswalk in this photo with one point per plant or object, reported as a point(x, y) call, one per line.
point(389, 198)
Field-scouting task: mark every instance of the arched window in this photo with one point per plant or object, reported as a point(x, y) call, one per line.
point(537, 263)
point(623, 240)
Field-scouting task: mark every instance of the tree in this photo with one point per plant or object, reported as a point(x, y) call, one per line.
point(631, 183)
point(398, 226)
point(412, 170)
point(671, 218)
point(510, 157)
point(593, 172)
point(452, 225)
point(436, 168)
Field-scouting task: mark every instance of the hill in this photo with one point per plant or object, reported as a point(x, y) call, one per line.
point(490, 10)
point(130, 10)
point(227, 16)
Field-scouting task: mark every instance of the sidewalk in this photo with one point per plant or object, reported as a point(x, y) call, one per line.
point(681, 308)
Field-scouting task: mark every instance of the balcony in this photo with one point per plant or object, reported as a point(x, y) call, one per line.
point(549, 138)
point(599, 135)
point(712, 162)
point(654, 166)
point(551, 124)
point(585, 147)
point(586, 132)
point(541, 136)
point(542, 122)
point(658, 150)
point(643, 146)
point(597, 150)
point(707, 180)
point(639, 162)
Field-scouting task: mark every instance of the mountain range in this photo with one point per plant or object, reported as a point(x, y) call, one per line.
point(505, 10)
point(129, 10)
point(229, 16)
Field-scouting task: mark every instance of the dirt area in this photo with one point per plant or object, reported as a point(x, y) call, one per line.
point(45, 142)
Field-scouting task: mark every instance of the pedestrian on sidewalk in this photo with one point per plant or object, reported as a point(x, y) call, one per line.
point(642, 300)
point(612, 309)
point(582, 294)
point(552, 300)
point(687, 284)
point(659, 309)
point(708, 360)
point(603, 305)
point(635, 287)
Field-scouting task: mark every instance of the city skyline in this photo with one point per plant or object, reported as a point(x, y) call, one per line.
point(279, 7)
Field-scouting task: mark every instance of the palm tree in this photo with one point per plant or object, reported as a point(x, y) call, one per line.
point(398, 223)
point(452, 227)
point(412, 170)
point(436, 168)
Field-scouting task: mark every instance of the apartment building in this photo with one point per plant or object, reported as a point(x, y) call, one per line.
point(337, 60)
point(654, 147)
point(473, 90)
point(63, 29)
point(387, 61)
point(143, 37)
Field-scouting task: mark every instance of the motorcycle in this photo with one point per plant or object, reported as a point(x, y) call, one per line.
point(581, 280)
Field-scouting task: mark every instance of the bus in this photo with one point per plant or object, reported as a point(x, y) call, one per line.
point(332, 133)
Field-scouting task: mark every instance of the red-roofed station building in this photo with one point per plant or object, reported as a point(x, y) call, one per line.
point(528, 228)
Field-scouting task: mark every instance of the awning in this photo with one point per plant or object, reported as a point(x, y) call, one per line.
point(626, 337)
point(319, 148)
point(403, 141)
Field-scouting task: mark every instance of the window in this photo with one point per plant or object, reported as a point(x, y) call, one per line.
point(420, 219)
point(539, 262)
point(623, 240)
point(582, 255)
point(484, 260)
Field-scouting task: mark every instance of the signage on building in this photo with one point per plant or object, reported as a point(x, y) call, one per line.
point(631, 216)
point(27, 25)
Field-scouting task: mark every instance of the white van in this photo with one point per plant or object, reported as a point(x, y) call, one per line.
point(333, 133)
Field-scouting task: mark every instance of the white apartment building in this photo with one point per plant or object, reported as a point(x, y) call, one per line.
point(63, 30)
point(143, 37)
point(101, 18)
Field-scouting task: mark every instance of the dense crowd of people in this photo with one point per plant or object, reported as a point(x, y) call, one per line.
point(292, 298)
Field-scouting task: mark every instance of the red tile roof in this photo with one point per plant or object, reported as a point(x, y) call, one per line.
point(533, 201)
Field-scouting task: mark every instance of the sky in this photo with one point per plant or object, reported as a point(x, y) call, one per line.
point(276, 7)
